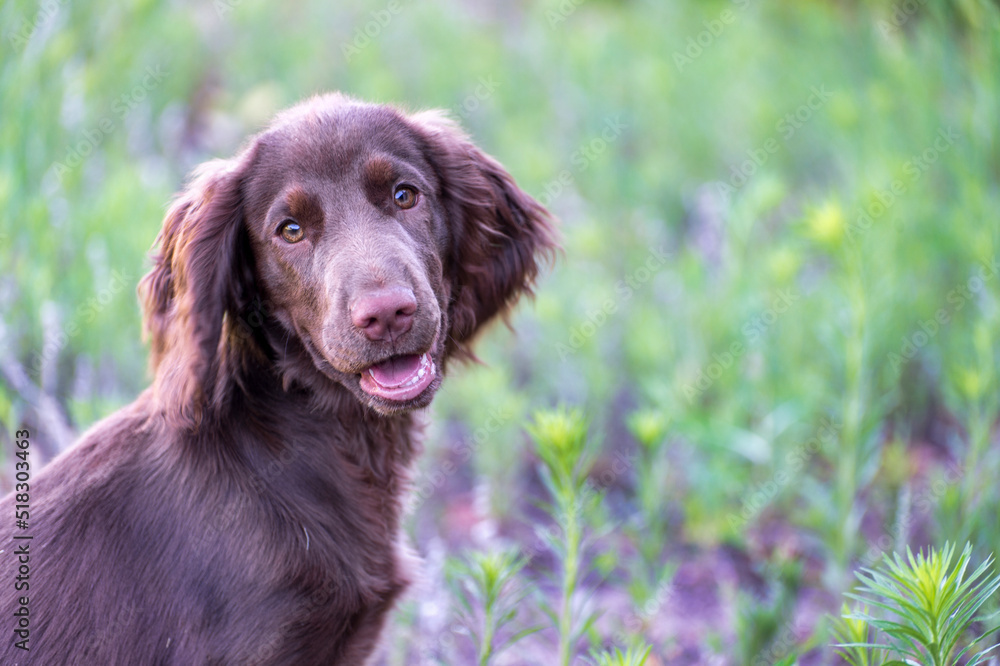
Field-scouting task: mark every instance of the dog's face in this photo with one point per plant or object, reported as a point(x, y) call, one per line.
point(380, 243)
point(350, 235)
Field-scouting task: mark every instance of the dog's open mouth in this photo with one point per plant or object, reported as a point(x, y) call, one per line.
point(400, 378)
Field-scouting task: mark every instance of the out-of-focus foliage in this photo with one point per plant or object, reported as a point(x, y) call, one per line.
point(781, 242)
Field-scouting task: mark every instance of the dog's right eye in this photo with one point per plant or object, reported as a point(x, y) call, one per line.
point(291, 231)
point(405, 196)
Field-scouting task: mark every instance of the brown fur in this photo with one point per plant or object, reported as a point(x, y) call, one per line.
point(245, 508)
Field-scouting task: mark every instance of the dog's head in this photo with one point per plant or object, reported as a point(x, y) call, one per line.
point(372, 243)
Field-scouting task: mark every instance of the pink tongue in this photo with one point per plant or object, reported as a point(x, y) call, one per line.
point(396, 370)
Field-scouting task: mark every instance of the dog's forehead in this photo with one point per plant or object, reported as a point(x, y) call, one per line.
point(334, 140)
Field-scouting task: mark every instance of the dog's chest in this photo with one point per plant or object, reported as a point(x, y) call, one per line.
point(337, 578)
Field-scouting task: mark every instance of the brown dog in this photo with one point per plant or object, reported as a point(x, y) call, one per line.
point(306, 296)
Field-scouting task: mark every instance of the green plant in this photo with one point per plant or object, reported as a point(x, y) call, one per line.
point(849, 459)
point(790, 660)
point(489, 594)
point(560, 437)
point(634, 656)
point(764, 627)
point(855, 638)
point(970, 508)
point(649, 427)
point(929, 607)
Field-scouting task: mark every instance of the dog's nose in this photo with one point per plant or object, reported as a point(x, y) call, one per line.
point(385, 314)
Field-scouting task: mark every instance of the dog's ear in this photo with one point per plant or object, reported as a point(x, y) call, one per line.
point(201, 277)
point(499, 232)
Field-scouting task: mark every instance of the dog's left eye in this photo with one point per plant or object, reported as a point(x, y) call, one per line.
point(291, 231)
point(405, 196)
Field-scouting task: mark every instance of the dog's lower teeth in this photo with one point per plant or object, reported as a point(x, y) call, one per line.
point(426, 366)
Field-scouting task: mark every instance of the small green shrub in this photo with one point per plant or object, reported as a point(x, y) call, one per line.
point(634, 656)
point(561, 438)
point(489, 596)
point(929, 608)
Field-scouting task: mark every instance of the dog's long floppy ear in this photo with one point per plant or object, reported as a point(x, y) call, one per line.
point(202, 275)
point(499, 233)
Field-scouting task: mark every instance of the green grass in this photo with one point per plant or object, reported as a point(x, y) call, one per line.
point(778, 307)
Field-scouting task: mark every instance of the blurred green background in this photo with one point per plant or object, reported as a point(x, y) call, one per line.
point(778, 302)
